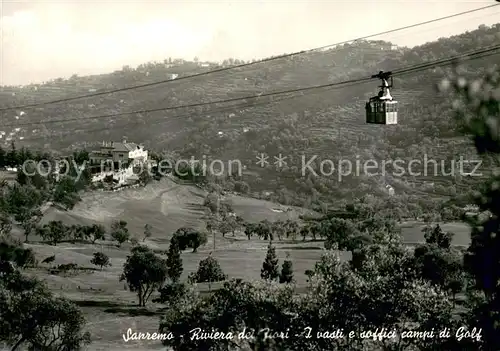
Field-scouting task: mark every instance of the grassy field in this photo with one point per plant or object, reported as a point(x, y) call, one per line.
point(165, 205)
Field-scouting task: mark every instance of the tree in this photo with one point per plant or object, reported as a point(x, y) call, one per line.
point(29, 218)
point(269, 269)
point(209, 270)
point(197, 239)
point(438, 266)
point(291, 229)
point(364, 295)
point(34, 178)
point(212, 224)
point(73, 232)
point(100, 259)
point(19, 200)
point(240, 221)
point(80, 156)
point(235, 223)
point(147, 232)
point(174, 261)
point(5, 225)
point(382, 282)
point(437, 236)
point(189, 238)
point(181, 236)
point(79, 233)
point(25, 155)
point(54, 232)
point(286, 275)
point(478, 112)
point(144, 273)
point(263, 230)
point(255, 306)
point(31, 317)
point(2, 158)
point(212, 202)
point(66, 192)
point(11, 157)
point(145, 176)
point(119, 232)
point(439, 263)
point(250, 229)
point(279, 229)
point(340, 232)
point(95, 232)
point(24, 257)
point(304, 232)
point(16, 253)
point(224, 227)
point(226, 208)
point(312, 229)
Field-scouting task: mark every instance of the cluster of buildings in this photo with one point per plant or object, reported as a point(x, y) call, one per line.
point(123, 161)
point(120, 163)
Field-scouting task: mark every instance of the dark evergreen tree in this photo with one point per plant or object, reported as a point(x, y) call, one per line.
point(11, 158)
point(2, 158)
point(174, 261)
point(437, 237)
point(270, 270)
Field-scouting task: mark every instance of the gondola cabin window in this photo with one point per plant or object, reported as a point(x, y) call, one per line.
point(391, 112)
point(382, 112)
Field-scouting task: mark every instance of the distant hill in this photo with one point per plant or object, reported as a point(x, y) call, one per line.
point(328, 123)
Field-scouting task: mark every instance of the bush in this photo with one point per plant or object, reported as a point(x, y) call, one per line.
point(20, 256)
point(171, 293)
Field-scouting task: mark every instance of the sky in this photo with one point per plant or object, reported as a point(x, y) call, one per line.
point(43, 40)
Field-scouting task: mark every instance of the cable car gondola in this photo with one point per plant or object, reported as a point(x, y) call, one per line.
point(382, 109)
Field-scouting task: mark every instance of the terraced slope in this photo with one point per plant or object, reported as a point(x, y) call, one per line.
point(330, 123)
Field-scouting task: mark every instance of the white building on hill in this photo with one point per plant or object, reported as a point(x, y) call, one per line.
point(118, 159)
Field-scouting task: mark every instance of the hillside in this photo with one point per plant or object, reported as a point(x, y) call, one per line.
point(166, 206)
point(328, 123)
